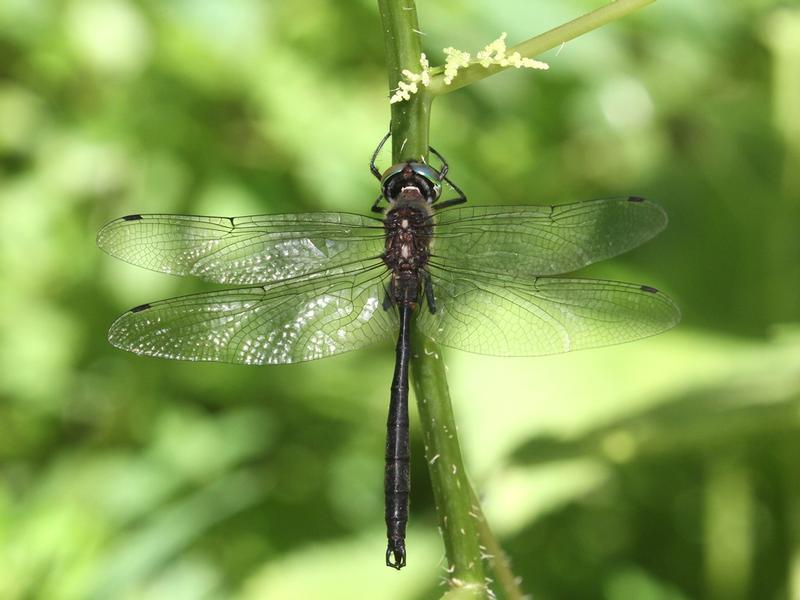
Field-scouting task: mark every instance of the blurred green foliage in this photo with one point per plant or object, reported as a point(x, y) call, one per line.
point(665, 469)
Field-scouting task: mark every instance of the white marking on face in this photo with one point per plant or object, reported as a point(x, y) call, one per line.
point(404, 224)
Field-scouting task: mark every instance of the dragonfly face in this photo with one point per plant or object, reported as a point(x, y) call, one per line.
point(411, 182)
point(307, 286)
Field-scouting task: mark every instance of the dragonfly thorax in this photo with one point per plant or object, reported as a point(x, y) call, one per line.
point(408, 237)
point(411, 181)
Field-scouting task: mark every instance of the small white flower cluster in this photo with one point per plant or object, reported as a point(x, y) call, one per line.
point(495, 54)
point(455, 60)
point(492, 54)
point(409, 86)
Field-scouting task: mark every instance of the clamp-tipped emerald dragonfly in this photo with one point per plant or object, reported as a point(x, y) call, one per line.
point(313, 285)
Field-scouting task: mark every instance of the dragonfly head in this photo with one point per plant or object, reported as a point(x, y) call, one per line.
point(412, 181)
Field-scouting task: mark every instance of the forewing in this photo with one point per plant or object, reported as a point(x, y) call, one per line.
point(245, 250)
point(280, 323)
point(527, 241)
point(503, 316)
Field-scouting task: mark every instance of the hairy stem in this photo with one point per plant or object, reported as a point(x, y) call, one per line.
point(498, 561)
point(411, 119)
point(536, 45)
point(452, 491)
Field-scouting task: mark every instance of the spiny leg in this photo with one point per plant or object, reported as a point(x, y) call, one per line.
point(428, 283)
point(388, 303)
point(375, 207)
point(445, 167)
point(373, 169)
point(443, 177)
point(462, 197)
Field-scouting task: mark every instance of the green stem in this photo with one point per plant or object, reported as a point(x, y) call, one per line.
point(536, 45)
point(410, 119)
point(498, 561)
point(452, 491)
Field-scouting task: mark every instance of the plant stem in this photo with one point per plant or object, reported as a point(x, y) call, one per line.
point(452, 491)
point(536, 45)
point(411, 119)
point(458, 520)
point(498, 561)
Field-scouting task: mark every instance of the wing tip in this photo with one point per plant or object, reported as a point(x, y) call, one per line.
point(652, 205)
point(675, 311)
point(105, 229)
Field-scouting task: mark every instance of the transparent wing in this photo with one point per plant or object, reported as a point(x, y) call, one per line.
point(279, 323)
point(504, 316)
point(543, 240)
point(244, 250)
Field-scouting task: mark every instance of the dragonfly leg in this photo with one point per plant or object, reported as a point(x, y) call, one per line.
point(429, 292)
point(387, 300)
point(453, 201)
point(374, 169)
point(445, 167)
point(376, 206)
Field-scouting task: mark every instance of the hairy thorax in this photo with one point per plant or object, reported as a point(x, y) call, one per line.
point(408, 236)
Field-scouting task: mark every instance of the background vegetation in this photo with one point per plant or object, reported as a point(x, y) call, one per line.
point(665, 469)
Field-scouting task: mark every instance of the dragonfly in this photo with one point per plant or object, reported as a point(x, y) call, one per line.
point(484, 279)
